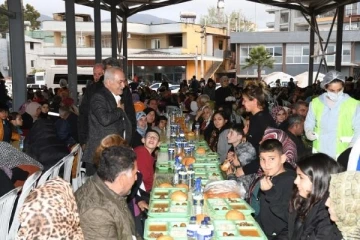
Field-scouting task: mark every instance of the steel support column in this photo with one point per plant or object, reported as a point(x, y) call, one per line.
point(71, 47)
point(114, 32)
point(97, 30)
point(124, 33)
point(17, 52)
point(312, 49)
point(339, 38)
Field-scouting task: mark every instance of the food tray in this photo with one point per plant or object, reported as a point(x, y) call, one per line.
point(215, 206)
point(239, 229)
point(165, 193)
point(175, 228)
point(169, 209)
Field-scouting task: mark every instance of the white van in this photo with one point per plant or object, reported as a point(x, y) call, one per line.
point(39, 78)
point(55, 73)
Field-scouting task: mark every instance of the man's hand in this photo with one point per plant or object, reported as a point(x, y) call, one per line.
point(143, 205)
point(233, 159)
point(265, 183)
point(120, 105)
point(239, 172)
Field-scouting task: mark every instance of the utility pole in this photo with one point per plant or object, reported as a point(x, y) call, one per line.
point(203, 35)
point(196, 63)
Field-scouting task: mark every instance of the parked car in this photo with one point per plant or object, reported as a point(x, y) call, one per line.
point(174, 88)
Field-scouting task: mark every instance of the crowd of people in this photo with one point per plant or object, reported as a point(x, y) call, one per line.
point(288, 147)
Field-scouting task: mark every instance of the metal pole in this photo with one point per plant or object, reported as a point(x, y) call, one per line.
point(71, 47)
point(114, 33)
point(17, 51)
point(124, 37)
point(132, 69)
point(196, 63)
point(312, 49)
point(339, 38)
point(202, 59)
point(97, 30)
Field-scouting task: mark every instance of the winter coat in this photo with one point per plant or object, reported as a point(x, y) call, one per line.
point(43, 145)
point(105, 118)
point(103, 213)
point(316, 226)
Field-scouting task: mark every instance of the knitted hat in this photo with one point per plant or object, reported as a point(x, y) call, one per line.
point(140, 115)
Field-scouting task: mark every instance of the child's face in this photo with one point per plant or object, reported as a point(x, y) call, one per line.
point(162, 124)
point(246, 126)
point(45, 108)
point(4, 115)
point(142, 123)
point(303, 183)
point(219, 121)
point(18, 122)
point(151, 140)
point(272, 163)
point(233, 136)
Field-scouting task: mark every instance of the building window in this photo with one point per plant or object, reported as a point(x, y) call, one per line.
point(31, 46)
point(221, 44)
point(155, 43)
point(32, 63)
point(175, 40)
point(284, 18)
point(274, 50)
point(297, 53)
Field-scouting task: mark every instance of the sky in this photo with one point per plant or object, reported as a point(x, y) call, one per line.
point(253, 11)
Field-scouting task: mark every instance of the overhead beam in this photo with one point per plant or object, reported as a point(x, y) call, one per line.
point(150, 6)
point(8, 13)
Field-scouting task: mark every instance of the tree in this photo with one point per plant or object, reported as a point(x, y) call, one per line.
point(30, 14)
point(218, 17)
point(261, 58)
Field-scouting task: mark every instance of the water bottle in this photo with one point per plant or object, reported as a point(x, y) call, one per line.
point(191, 177)
point(197, 129)
point(182, 175)
point(21, 143)
point(204, 233)
point(192, 229)
point(176, 171)
point(198, 199)
point(210, 225)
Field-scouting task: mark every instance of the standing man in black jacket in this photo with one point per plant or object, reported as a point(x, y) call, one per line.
point(106, 114)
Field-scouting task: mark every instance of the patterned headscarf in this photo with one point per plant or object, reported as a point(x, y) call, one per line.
point(50, 212)
point(289, 146)
point(345, 197)
point(275, 110)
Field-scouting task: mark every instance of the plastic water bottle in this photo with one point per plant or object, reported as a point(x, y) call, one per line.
point(183, 175)
point(198, 199)
point(177, 166)
point(191, 177)
point(197, 129)
point(192, 229)
point(204, 233)
point(210, 225)
point(21, 143)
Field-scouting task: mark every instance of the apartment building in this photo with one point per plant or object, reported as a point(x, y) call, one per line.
point(156, 52)
point(288, 43)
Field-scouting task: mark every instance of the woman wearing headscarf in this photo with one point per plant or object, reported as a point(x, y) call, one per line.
point(333, 119)
point(141, 127)
point(344, 204)
point(279, 114)
point(50, 212)
point(32, 112)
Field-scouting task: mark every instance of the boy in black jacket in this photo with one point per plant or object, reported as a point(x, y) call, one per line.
point(271, 192)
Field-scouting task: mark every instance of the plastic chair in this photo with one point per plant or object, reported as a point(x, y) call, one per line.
point(68, 163)
point(29, 184)
point(79, 178)
point(51, 173)
point(6, 206)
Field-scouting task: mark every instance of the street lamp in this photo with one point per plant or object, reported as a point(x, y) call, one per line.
point(220, 4)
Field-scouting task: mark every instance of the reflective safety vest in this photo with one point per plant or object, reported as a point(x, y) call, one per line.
point(344, 128)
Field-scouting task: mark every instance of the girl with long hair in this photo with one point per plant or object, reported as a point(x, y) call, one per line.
point(309, 218)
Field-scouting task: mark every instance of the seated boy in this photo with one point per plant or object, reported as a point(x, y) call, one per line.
point(239, 154)
point(160, 124)
point(6, 133)
point(144, 158)
point(270, 193)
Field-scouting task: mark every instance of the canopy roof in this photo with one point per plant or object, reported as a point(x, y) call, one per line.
point(130, 7)
point(307, 6)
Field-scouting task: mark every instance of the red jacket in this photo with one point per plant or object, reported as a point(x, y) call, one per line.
point(145, 163)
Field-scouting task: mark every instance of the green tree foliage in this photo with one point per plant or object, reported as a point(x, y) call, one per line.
point(260, 58)
point(30, 14)
point(218, 17)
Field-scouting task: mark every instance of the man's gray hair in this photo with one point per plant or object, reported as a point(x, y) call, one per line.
point(223, 78)
point(294, 119)
point(99, 65)
point(110, 72)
